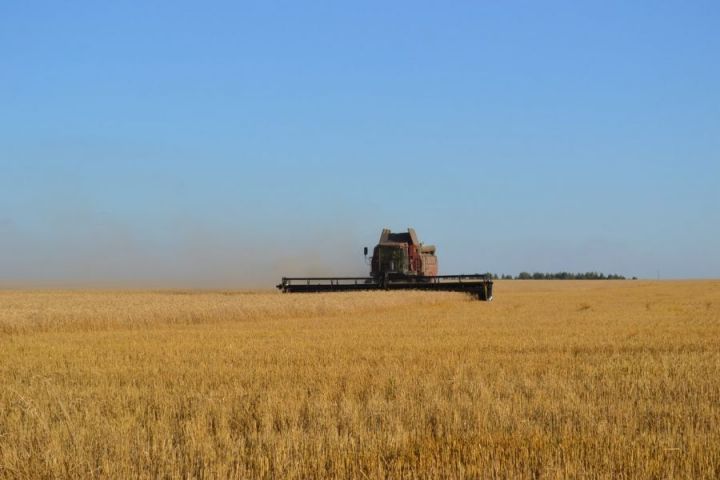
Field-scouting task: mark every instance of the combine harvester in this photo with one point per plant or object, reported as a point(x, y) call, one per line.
point(399, 262)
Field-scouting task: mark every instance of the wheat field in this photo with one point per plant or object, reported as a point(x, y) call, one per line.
point(553, 379)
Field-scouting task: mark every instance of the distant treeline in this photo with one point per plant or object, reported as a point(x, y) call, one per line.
point(558, 276)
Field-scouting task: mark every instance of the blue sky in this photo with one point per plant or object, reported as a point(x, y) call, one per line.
point(227, 143)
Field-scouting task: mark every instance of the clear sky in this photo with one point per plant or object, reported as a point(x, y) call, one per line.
point(177, 143)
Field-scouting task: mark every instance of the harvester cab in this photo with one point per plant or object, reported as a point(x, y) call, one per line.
point(402, 255)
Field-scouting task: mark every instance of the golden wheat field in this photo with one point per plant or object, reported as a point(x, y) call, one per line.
point(553, 379)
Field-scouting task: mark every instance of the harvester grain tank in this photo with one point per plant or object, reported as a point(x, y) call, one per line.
point(399, 262)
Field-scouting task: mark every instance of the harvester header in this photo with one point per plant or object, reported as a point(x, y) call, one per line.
point(399, 262)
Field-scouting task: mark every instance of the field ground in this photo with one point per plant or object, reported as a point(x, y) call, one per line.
point(553, 379)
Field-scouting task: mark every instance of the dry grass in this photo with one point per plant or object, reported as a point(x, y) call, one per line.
point(552, 379)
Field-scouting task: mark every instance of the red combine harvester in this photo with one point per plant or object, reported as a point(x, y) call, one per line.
point(399, 262)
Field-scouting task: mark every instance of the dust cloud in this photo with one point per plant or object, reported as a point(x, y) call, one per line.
point(101, 252)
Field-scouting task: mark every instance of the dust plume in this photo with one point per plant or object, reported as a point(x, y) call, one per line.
point(89, 249)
